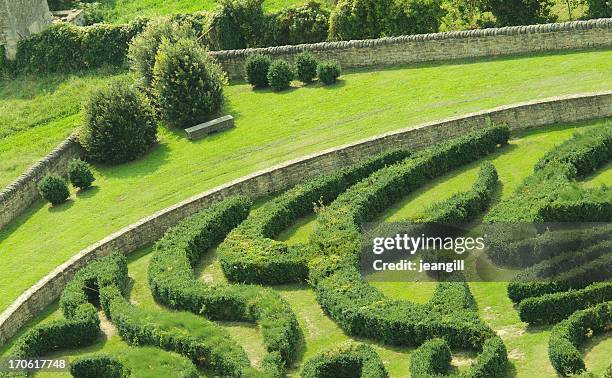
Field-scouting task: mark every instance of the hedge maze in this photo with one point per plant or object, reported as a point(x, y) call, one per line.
point(563, 283)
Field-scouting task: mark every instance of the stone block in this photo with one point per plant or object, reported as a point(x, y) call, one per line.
point(216, 125)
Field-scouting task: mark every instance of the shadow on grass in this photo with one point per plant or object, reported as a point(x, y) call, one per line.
point(87, 193)
point(61, 207)
point(156, 157)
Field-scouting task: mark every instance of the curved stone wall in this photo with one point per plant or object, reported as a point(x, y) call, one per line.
point(518, 117)
point(440, 46)
point(23, 192)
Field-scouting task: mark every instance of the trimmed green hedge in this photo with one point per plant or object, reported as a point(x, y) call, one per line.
point(570, 333)
point(552, 308)
point(431, 358)
point(465, 206)
point(98, 365)
point(345, 361)
point(249, 253)
point(172, 283)
point(571, 270)
point(64, 47)
point(360, 309)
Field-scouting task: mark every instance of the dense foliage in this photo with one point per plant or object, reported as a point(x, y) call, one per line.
point(188, 85)
point(80, 174)
point(344, 361)
point(256, 69)
point(302, 24)
point(280, 75)
point(143, 49)
point(567, 336)
point(119, 124)
point(521, 12)
point(237, 24)
point(431, 358)
point(53, 189)
point(98, 365)
point(172, 283)
point(328, 72)
point(306, 67)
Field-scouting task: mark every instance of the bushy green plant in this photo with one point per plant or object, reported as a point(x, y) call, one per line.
point(54, 189)
point(119, 124)
point(143, 48)
point(430, 359)
point(360, 19)
point(306, 67)
point(256, 69)
point(328, 72)
point(343, 361)
point(188, 85)
point(307, 23)
point(599, 9)
point(521, 12)
point(98, 365)
point(80, 175)
point(237, 24)
point(415, 17)
point(280, 75)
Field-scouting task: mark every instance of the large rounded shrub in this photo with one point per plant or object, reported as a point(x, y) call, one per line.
point(237, 24)
point(80, 174)
point(187, 84)
point(256, 70)
point(54, 189)
point(280, 75)
point(328, 72)
point(360, 19)
point(306, 67)
point(143, 48)
point(119, 124)
point(307, 23)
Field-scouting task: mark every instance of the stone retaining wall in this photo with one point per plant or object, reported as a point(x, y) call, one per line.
point(23, 192)
point(440, 46)
point(518, 117)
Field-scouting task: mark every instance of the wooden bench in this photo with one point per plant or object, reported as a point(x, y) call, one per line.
point(203, 129)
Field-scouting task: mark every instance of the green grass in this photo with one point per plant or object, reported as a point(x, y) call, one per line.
point(271, 128)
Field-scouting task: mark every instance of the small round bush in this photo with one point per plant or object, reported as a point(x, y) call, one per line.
point(328, 72)
point(80, 174)
point(119, 124)
point(187, 84)
point(306, 67)
point(280, 75)
point(54, 189)
point(256, 70)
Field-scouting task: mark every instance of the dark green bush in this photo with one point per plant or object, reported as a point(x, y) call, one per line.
point(119, 124)
point(599, 9)
point(306, 67)
point(280, 75)
point(250, 254)
point(80, 175)
point(143, 49)
point(188, 85)
point(172, 282)
point(98, 365)
point(256, 70)
point(345, 361)
point(328, 72)
point(360, 19)
point(552, 308)
point(237, 24)
point(416, 17)
point(307, 23)
point(54, 189)
point(431, 358)
point(568, 335)
point(521, 12)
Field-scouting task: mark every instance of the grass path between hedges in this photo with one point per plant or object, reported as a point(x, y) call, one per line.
point(271, 128)
point(527, 346)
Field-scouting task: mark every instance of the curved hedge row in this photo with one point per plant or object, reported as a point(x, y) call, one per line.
point(433, 358)
point(99, 365)
point(249, 253)
point(362, 310)
point(551, 192)
point(466, 206)
point(552, 308)
point(172, 283)
point(556, 274)
point(570, 333)
point(346, 360)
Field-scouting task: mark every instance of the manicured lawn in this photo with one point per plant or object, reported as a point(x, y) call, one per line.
point(271, 128)
point(119, 11)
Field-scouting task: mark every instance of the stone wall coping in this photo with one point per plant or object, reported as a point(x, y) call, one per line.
point(89, 252)
point(600, 23)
